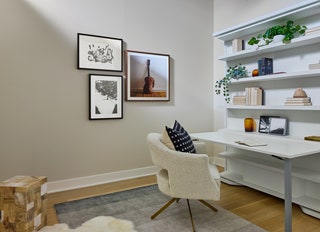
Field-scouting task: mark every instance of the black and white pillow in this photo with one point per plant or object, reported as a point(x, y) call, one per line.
point(180, 138)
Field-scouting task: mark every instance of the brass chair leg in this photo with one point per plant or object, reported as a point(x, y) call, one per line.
point(192, 222)
point(208, 205)
point(164, 207)
point(190, 213)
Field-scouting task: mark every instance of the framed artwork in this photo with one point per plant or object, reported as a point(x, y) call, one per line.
point(264, 123)
point(148, 76)
point(278, 126)
point(106, 100)
point(100, 53)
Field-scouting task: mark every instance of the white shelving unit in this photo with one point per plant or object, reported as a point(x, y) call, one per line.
point(251, 168)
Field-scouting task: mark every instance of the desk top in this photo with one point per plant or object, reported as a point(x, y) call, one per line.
point(280, 146)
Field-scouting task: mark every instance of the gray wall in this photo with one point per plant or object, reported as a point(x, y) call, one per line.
point(44, 98)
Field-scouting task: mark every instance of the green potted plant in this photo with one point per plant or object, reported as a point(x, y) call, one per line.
point(234, 72)
point(288, 31)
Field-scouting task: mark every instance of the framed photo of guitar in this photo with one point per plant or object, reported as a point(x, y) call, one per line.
point(148, 76)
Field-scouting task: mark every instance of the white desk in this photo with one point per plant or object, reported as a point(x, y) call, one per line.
point(281, 147)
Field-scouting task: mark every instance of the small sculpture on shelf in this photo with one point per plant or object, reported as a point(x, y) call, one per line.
point(300, 98)
point(300, 93)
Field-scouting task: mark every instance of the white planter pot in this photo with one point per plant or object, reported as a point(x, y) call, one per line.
point(278, 38)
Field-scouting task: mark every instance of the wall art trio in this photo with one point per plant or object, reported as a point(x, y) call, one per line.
point(147, 75)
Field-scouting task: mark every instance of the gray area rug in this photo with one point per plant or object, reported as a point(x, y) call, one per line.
point(137, 205)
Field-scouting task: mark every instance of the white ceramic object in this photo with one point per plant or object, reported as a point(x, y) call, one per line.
point(278, 38)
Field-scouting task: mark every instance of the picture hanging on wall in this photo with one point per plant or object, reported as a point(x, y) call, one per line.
point(106, 100)
point(148, 76)
point(100, 53)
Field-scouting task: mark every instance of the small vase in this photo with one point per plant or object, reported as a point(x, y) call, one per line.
point(248, 124)
point(278, 38)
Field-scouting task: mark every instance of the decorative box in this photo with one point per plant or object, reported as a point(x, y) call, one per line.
point(239, 100)
point(23, 204)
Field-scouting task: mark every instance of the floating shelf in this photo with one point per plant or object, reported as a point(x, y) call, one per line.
point(301, 10)
point(282, 76)
point(275, 107)
point(295, 43)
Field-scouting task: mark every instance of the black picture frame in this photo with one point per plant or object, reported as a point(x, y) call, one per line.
point(100, 53)
point(148, 76)
point(106, 96)
point(264, 123)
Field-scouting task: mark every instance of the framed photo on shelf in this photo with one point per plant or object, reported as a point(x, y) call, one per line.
point(278, 126)
point(100, 53)
point(148, 76)
point(106, 100)
point(264, 123)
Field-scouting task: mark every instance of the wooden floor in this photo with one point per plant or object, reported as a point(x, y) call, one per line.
point(259, 208)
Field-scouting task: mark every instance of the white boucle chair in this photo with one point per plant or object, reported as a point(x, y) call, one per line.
point(184, 175)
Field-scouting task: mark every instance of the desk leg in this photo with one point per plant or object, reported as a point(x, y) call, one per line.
point(288, 195)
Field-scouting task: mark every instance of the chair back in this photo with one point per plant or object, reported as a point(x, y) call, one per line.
point(183, 175)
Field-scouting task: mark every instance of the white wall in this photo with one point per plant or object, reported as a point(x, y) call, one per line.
point(44, 98)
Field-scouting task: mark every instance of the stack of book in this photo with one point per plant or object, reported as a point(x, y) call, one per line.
point(312, 30)
point(237, 45)
point(303, 101)
point(254, 96)
point(314, 66)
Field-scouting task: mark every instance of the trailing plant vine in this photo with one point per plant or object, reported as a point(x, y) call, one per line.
point(233, 72)
point(288, 30)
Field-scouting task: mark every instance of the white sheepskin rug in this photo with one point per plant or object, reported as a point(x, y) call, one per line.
point(97, 224)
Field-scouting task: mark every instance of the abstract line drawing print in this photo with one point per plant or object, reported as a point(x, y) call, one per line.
point(100, 54)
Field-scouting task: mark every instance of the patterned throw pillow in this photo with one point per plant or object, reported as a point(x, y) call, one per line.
point(165, 139)
point(180, 138)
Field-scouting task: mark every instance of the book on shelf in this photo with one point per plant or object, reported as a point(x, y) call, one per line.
point(312, 30)
point(265, 66)
point(314, 66)
point(298, 104)
point(296, 101)
point(237, 45)
point(254, 96)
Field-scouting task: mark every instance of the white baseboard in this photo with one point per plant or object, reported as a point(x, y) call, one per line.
point(63, 185)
